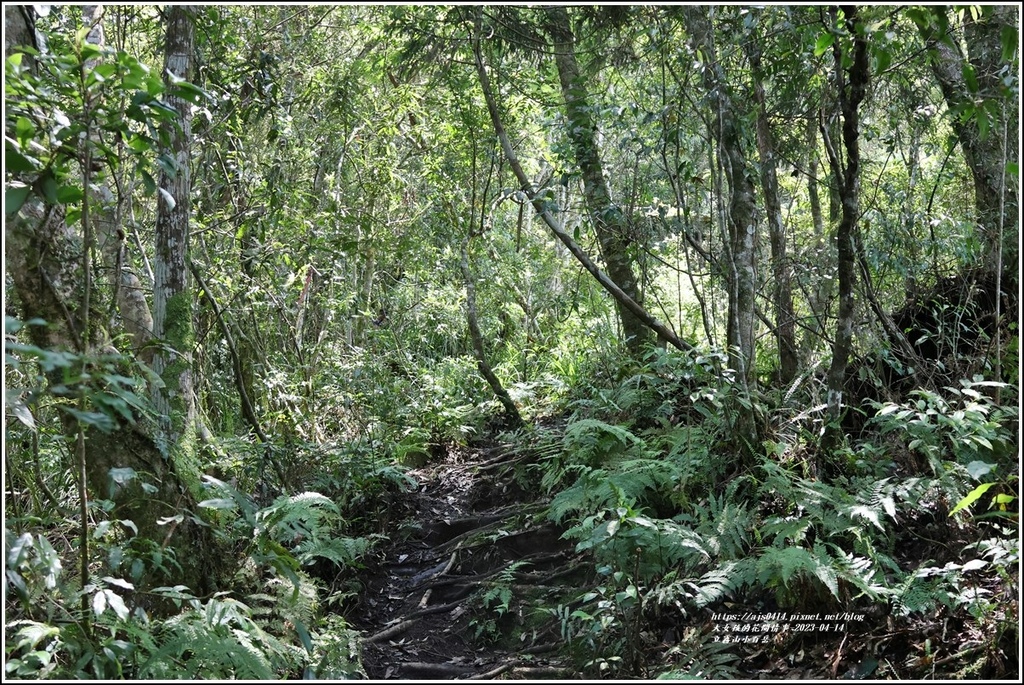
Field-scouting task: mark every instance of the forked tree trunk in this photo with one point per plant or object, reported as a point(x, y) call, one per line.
point(741, 253)
point(741, 258)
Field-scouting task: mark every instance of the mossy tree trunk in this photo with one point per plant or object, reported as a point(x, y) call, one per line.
point(44, 258)
point(172, 299)
point(609, 221)
point(972, 84)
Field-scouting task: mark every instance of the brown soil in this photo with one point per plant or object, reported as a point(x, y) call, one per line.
point(423, 609)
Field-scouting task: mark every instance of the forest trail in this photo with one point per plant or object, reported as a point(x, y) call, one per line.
point(441, 600)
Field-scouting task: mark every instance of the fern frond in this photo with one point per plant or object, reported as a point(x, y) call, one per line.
point(341, 551)
point(731, 523)
point(307, 514)
point(590, 439)
point(704, 658)
point(218, 642)
point(860, 572)
point(783, 528)
point(719, 583)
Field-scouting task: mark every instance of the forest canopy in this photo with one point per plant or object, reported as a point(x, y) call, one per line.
point(438, 341)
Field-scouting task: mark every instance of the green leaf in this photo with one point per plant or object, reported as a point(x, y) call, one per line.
point(34, 633)
point(883, 58)
point(99, 602)
point(18, 163)
point(218, 503)
point(970, 78)
point(975, 564)
point(96, 419)
point(188, 92)
point(117, 604)
point(823, 43)
point(148, 181)
point(69, 194)
point(1008, 38)
point(984, 124)
point(24, 129)
point(14, 198)
point(139, 144)
point(47, 187)
point(972, 497)
point(979, 468)
point(118, 582)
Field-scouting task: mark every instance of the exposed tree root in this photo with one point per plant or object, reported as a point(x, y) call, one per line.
point(393, 631)
point(422, 669)
point(488, 675)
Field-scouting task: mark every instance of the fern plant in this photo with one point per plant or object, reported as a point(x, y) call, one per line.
point(699, 656)
point(219, 640)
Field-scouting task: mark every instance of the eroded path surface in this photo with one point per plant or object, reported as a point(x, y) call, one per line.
point(456, 592)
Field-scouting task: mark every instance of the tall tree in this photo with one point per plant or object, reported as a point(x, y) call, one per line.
point(975, 87)
point(782, 295)
point(542, 208)
point(852, 73)
point(741, 225)
point(607, 217)
point(172, 299)
point(48, 259)
point(741, 257)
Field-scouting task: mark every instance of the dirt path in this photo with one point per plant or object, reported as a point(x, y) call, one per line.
point(453, 598)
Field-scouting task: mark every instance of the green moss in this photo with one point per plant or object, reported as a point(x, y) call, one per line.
point(179, 334)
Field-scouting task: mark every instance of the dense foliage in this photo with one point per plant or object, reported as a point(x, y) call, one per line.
point(735, 285)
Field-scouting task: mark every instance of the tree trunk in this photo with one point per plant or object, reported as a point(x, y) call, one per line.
point(852, 86)
point(540, 207)
point(609, 221)
point(740, 262)
point(44, 257)
point(782, 295)
point(172, 300)
point(129, 294)
point(986, 151)
point(479, 351)
point(819, 291)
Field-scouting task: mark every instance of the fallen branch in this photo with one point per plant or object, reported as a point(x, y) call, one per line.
point(488, 675)
point(439, 609)
point(535, 671)
point(504, 460)
point(427, 670)
point(391, 632)
point(408, 622)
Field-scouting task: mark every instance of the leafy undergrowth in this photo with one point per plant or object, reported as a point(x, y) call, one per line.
point(618, 540)
point(643, 558)
point(904, 565)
